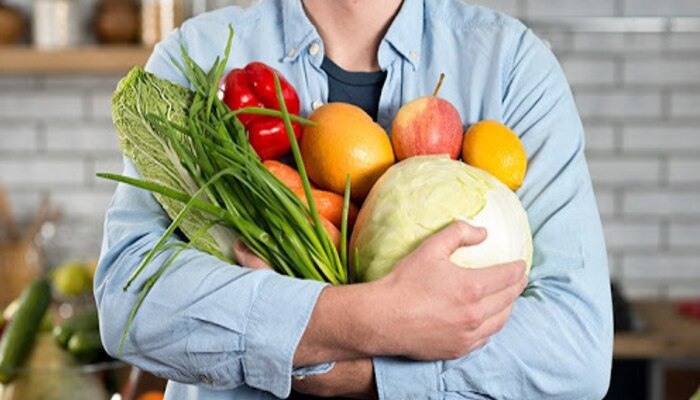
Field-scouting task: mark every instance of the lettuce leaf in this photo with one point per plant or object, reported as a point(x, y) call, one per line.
point(139, 95)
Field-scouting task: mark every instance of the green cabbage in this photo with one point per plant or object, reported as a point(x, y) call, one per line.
point(421, 195)
point(139, 95)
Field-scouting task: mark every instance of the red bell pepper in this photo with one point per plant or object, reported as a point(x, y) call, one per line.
point(690, 308)
point(254, 86)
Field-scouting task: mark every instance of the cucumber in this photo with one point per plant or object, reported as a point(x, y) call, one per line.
point(86, 346)
point(85, 321)
point(16, 343)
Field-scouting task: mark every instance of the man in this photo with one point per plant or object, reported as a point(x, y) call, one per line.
point(429, 330)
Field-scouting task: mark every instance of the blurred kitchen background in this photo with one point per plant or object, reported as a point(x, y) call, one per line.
point(634, 66)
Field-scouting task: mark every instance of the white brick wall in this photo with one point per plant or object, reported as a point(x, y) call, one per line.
point(638, 94)
point(684, 236)
point(630, 171)
point(54, 105)
point(684, 41)
point(662, 138)
point(601, 137)
point(586, 71)
point(662, 202)
point(670, 8)
point(547, 8)
point(618, 104)
point(621, 236)
point(611, 44)
point(677, 72)
point(684, 171)
point(18, 137)
point(685, 105)
point(28, 172)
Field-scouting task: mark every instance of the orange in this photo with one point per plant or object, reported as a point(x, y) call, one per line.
point(151, 395)
point(329, 206)
point(493, 147)
point(345, 140)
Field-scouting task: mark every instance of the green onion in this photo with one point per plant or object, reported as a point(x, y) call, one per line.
point(233, 189)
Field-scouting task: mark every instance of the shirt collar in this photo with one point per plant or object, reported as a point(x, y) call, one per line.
point(405, 34)
point(406, 31)
point(298, 29)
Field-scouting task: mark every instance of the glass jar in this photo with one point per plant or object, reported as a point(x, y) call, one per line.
point(159, 18)
point(57, 24)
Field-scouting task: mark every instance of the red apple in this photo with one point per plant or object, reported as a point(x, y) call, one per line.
point(427, 125)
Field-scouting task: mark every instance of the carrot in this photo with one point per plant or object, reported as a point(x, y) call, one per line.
point(288, 175)
point(333, 232)
point(329, 206)
point(151, 395)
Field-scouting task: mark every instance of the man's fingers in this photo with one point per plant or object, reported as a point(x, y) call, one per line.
point(490, 280)
point(494, 324)
point(247, 258)
point(456, 235)
point(240, 251)
point(478, 344)
point(495, 303)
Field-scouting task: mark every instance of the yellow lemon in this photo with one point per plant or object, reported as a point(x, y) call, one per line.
point(493, 147)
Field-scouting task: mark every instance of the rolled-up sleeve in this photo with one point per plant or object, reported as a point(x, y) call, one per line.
point(558, 340)
point(204, 321)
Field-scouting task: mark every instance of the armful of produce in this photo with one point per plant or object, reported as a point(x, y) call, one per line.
point(202, 158)
point(194, 155)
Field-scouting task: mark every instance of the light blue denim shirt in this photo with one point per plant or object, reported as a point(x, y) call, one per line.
point(226, 332)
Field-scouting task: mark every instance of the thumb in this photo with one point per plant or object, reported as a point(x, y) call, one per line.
point(457, 234)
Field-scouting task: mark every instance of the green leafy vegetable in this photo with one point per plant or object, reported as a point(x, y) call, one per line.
point(421, 195)
point(139, 95)
point(195, 157)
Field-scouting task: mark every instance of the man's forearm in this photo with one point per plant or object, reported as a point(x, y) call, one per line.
point(427, 313)
point(342, 326)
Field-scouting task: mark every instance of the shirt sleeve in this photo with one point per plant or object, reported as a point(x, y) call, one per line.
point(204, 321)
point(558, 341)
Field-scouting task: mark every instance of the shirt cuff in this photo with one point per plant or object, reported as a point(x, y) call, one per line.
point(312, 370)
point(278, 319)
point(400, 378)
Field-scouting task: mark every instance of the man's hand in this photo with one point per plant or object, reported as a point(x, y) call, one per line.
point(247, 258)
point(427, 308)
point(348, 379)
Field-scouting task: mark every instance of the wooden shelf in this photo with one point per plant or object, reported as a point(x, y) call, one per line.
point(88, 60)
point(668, 334)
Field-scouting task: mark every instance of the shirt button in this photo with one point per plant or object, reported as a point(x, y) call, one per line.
point(316, 105)
point(314, 49)
point(292, 52)
point(413, 55)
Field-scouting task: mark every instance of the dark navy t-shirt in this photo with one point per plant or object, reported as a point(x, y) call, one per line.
point(359, 88)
